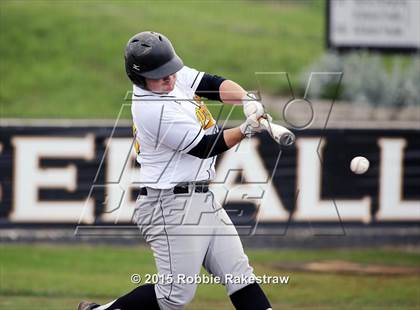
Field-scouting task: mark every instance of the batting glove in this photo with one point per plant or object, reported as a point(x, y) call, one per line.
point(251, 126)
point(252, 106)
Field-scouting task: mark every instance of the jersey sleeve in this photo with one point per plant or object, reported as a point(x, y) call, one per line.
point(179, 132)
point(166, 123)
point(189, 79)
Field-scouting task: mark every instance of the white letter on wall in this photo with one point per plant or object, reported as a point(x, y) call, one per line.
point(259, 190)
point(121, 176)
point(29, 177)
point(391, 184)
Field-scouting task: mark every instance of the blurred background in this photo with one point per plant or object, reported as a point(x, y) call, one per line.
point(343, 75)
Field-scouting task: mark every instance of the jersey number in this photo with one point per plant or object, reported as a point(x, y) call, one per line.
point(203, 114)
point(136, 142)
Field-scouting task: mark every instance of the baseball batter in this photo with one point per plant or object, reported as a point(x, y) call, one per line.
point(177, 142)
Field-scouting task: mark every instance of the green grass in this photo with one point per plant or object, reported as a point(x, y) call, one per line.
point(65, 59)
point(58, 277)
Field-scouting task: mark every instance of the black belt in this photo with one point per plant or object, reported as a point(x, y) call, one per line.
point(183, 188)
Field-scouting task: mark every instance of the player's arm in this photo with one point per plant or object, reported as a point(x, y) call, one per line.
point(214, 87)
point(215, 144)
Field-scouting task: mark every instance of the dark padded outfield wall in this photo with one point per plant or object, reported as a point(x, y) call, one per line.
point(81, 177)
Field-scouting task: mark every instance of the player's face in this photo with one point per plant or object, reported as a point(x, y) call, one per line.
point(164, 85)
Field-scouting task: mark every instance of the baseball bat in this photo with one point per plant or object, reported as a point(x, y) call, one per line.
point(280, 134)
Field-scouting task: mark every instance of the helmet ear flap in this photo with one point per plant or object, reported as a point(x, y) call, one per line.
point(138, 80)
point(141, 82)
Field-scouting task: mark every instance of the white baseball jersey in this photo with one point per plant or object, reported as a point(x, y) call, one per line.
point(167, 127)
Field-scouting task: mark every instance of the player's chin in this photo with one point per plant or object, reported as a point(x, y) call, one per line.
point(169, 88)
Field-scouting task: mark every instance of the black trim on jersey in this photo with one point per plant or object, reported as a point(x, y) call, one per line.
point(190, 101)
point(142, 95)
point(160, 96)
point(209, 87)
point(195, 79)
point(209, 146)
point(194, 103)
point(193, 139)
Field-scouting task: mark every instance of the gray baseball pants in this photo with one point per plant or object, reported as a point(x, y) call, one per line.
point(185, 232)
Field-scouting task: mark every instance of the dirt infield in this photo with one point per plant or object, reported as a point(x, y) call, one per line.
point(344, 267)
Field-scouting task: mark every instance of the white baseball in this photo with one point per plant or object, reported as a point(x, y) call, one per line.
point(359, 165)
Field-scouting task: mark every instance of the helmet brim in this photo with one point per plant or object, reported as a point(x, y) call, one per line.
point(171, 67)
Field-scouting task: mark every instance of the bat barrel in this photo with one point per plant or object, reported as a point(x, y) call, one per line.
point(287, 139)
point(280, 134)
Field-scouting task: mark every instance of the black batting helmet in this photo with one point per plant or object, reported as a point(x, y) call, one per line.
point(150, 55)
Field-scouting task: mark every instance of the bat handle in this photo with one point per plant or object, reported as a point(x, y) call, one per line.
point(280, 134)
point(264, 123)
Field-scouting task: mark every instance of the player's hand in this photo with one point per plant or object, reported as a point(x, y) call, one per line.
point(251, 126)
point(252, 106)
point(267, 117)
